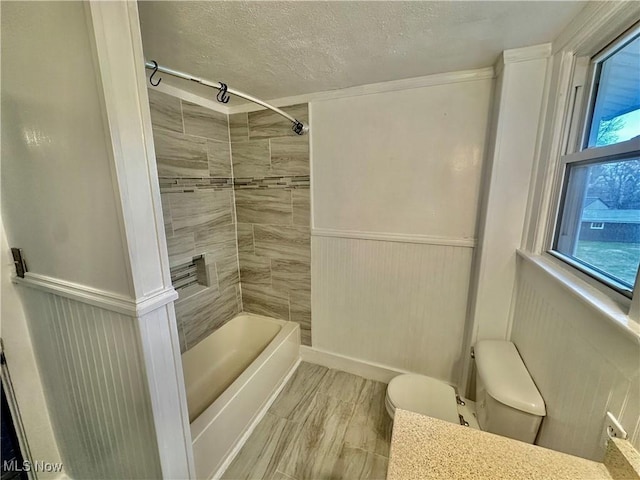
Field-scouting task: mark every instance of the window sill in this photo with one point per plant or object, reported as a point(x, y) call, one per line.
point(587, 294)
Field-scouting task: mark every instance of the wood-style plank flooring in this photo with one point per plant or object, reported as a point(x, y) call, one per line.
point(325, 425)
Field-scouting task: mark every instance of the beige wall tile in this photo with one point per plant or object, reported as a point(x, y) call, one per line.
point(219, 155)
point(219, 241)
point(266, 206)
point(181, 248)
point(255, 270)
point(282, 242)
point(165, 111)
point(267, 124)
point(245, 238)
point(166, 215)
point(204, 122)
point(208, 209)
point(251, 158)
point(264, 300)
point(239, 127)
point(300, 200)
point(179, 155)
point(290, 155)
point(227, 272)
point(205, 312)
point(291, 275)
point(300, 312)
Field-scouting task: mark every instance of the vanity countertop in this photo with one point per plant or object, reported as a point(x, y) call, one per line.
point(427, 448)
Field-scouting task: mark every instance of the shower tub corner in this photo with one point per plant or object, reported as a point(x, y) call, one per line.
point(230, 378)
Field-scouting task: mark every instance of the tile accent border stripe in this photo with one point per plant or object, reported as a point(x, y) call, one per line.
point(98, 298)
point(396, 237)
point(285, 181)
point(181, 184)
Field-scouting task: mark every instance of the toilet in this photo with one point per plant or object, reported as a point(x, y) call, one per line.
point(507, 401)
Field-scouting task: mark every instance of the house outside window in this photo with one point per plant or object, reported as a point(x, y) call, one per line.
point(598, 225)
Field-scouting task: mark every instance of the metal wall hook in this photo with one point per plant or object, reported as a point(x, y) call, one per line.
point(155, 70)
point(223, 96)
point(299, 127)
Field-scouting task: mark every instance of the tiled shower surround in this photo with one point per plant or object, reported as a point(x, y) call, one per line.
point(271, 209)
point(271, 177)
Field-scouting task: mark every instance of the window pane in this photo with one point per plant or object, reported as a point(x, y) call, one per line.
point(600, 223)
point(616, 113)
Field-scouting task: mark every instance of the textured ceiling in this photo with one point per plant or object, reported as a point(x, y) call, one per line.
point(279, 49)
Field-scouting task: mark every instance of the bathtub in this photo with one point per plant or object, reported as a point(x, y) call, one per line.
point(230, 378)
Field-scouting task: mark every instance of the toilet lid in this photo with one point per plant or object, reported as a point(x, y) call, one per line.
point(425, 395)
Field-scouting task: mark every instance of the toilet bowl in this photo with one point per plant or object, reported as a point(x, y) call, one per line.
point(421, 394)
point(507, 401)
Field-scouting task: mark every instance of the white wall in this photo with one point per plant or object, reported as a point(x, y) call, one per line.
point(80, 195)
point(582, 364)
point(581, 361)
point(24, 373)
point(56, 175)
point(405, 162)
point(518, 100)
point(395, 183)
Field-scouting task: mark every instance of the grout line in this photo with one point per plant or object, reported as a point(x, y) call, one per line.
point(182, 117)
point(235, 214)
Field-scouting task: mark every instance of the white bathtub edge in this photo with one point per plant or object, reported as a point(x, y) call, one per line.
point(258, 418)
point(362, 368)
point(242, 406)
point(209, 416)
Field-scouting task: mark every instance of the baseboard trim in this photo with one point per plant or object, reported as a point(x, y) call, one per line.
point(396, 237)
point(96, 297)
point(362, 368)
point(258, 418)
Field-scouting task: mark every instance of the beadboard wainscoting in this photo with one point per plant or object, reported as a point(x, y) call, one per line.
point(96, 387)
point(582, 364)
point(394, 303)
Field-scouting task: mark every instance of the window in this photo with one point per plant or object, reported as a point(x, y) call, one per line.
point(598, 224)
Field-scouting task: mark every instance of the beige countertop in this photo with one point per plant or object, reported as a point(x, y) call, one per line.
point(427, 448)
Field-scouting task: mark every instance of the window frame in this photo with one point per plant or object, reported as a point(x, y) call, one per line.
point(575, 150)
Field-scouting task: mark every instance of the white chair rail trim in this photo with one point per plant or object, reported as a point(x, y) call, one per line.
point(96, 297)
point(396, 237)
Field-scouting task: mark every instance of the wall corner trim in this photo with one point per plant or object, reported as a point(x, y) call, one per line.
point(524, 54)
point(96, 297)
point(396, 237)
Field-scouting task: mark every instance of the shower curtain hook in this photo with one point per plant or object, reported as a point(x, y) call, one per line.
point(155, 70)
point(222, 96)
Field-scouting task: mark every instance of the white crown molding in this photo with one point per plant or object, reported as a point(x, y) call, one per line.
point(372, 88)
point(396, 237)
point(368, 89)
point(534, 52)
point(597, 24)
point(98, 298)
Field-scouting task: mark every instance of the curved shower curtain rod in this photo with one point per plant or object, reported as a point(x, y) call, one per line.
point(298, 127)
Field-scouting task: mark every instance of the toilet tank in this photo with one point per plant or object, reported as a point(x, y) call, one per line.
point(507, 401)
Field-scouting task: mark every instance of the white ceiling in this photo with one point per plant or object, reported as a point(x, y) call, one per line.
point(280, 49)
